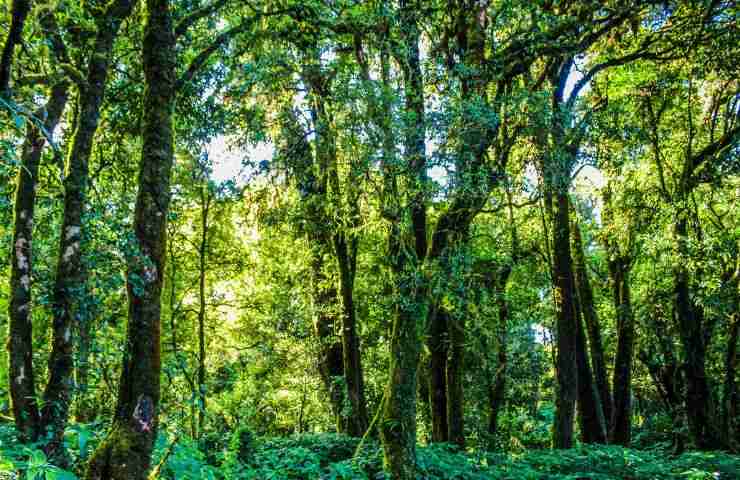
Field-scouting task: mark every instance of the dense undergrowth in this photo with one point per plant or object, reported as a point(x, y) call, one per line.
point(330, 456)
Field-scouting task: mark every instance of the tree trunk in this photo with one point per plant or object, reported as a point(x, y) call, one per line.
point(438, 342)
point(357, 419)
point(566, 324)
point(19, 12)
point(69, 284)
point(593, 328)
point(126, 452)
point(202, 252)
point(690, 316)
point(331, 360)
point(497, 390)
point(590, 415)
point(20, 340)
point(398, 424)
point(729, 394)
point(621, 422)
point(454, 379)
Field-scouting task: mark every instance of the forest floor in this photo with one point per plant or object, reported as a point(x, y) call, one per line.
point(333, 457)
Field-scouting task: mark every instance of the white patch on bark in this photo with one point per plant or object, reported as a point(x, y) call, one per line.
point(67, 335)
point(150, 273)
point(70, 251)
point(72, 231)
point(21, 376)
point(24, 307)
point(22, 215)
point(26, 281)
point(20, 246)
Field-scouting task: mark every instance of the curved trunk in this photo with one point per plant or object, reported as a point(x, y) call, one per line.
point(125, 454)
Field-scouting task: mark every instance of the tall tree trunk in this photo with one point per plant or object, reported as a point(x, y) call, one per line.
point(438, 342)
point(398, 424)
point(593, 328)
point(126, 452)
point(19, 12)
point(702, 426)
point(68, 287)
point(621, 423)
point(357, 419)
point(566, 324)
point(20, 340)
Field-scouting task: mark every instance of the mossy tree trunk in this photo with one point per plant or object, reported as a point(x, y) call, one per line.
point(19, 11)
point(407, 251)
point(22, 386)
point(69, 283)
point(125, 454)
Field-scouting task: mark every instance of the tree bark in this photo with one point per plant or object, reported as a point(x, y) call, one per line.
point(497, 390)
point(590, 414)
point(408, 247)
point(621, 422)
point(357, 419)
point(438, 342)
point(20, 340)
point(566, 325)
point(69, 283)
point(593, 328)
point(202, 252)
point(19, 12)
point(690, 317)
point(126, 452)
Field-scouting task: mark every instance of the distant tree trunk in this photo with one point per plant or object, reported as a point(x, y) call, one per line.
point(438, 342)
point(593, 328)
point(126, 452)
point(566, 324)
point(20, 339)
point(19, 12)
point(693, 337)
point(69, 283)
point(202, 252)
